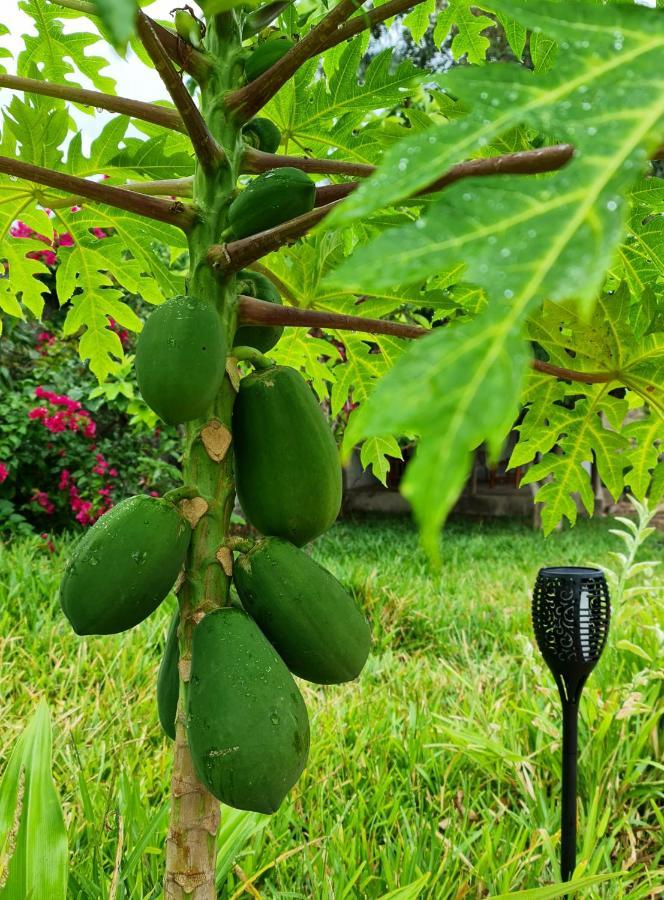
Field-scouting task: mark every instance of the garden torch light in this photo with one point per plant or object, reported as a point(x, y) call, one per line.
point(571, 614)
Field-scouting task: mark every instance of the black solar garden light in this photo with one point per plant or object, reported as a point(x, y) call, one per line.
point(571, 613)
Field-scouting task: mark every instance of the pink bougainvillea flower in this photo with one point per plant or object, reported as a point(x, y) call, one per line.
point(4, 472)
point(42, 499)
point(69, 414)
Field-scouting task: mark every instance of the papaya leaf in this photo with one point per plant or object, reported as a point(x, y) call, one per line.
point(119, 17)
point(439, 391)
point(4, 52)
point(375, 454)
point(20, 290)
point(82, 278)
point(165, 156)
point(53, 51)
point(90, 273)
point(647, 438)
point(103, 149)
point(366, 361)
point(570, 425)
point(300, 350)
point(469, 40)
point(318, 113)
point(301, 268)
point(33, 837)
point(609, 72)
point(39, 126)
point(640, 258)
point(584, 435)
point(419, 18)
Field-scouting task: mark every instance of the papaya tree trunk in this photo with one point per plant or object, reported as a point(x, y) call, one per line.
point(208, 468)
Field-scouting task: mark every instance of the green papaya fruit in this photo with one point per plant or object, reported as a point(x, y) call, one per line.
point(262, 134)
point(247, 724)
point(124, 566)
point(188, 27)
point(270, 199)
point(287, 467)
point(265, 55)
point(263, 16)
point(181, 359)
point(308, 617)
point(262, 337)
point(168, 679)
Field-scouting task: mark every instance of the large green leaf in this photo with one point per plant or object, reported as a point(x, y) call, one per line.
point(607, 90)
point(33, 838)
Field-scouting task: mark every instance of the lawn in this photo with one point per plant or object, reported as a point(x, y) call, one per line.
point(442, 759)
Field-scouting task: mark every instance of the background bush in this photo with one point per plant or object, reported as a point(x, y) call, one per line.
point(69, 447)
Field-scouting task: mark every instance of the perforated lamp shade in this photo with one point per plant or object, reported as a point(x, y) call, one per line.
point(571, 614)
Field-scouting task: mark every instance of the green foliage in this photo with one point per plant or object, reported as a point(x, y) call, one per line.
point(33, 838)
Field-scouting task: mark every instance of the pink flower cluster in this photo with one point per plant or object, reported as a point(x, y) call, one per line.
point(4, 472)
point(45, 340)
point(67, 415)
point(49, 257)
point(42, 499)
point(122, 333)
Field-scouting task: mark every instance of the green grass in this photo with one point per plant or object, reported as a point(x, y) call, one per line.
point(443, 759)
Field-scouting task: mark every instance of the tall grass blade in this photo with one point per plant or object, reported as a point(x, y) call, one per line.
point(33, 838)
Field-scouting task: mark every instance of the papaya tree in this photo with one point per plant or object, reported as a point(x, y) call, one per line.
point(500, 228)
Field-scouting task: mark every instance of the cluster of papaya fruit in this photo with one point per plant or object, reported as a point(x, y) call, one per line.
point(246, 721)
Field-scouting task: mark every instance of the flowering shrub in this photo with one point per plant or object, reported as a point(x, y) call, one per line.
point(69, 451)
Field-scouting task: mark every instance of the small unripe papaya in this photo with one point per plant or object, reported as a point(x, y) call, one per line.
point(262, 338)
point(265, 55)
point(181, 359)
point(307, 615)
point(270, 199)
point(188, 26)
point(247, 725)
point(124, 565)
point(287, 466)
point(262, 134)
